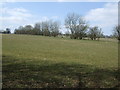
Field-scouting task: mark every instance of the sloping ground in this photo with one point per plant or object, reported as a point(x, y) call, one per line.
point(36, 61)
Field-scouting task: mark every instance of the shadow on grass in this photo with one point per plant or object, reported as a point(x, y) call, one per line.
point(46, 74)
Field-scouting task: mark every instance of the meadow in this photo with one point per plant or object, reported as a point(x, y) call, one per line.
point(31, 61)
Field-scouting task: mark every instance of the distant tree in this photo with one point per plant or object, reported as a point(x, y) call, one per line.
point(116, 32)
point(81, 28)
point(7, 31)
point(100, 33)
point(95, 32)
point(28, 29)
point(16, 31)
point(20, 30)
point(76, 24)
point(45, 28)
point(54, 28)
point(37, 29)
point(71, 23)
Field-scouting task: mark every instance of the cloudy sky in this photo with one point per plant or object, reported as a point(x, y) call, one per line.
point(103, 14)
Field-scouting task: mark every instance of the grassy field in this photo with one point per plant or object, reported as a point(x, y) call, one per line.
point(37, 61)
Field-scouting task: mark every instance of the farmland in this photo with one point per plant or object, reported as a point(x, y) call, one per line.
point(31, 61)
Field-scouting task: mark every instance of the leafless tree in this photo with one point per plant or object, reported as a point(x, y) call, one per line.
point(76, 24)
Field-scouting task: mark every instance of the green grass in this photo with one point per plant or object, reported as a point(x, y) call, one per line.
point(38, 61)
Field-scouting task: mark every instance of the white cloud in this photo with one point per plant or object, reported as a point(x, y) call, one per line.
point(15, 12)
point(12, 17)
point(44, 18)
point(106, 17)
point(54, 17)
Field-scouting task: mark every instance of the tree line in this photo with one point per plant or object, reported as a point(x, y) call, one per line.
point(44, 28)
point(7, 31)
point(79, 27)
point(76, 25)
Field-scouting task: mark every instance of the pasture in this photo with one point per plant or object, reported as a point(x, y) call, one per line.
point(30, 61)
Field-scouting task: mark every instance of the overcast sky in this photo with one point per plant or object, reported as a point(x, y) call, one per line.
point(102, 14)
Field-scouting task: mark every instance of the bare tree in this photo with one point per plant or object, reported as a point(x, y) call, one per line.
point(116, 32)
point(76, 24)
point(45, 28)
point(81, 28)
point(54, 28)
point(95, 32)
point(100, 33)
point(37, 29)
point(57, 27)
point(71, 23)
